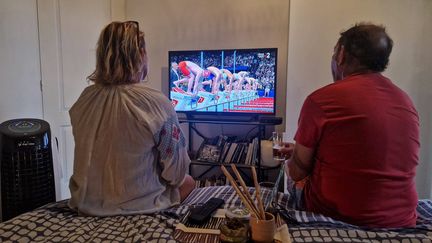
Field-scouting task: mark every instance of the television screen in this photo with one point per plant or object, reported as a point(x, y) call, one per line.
point(223, 81)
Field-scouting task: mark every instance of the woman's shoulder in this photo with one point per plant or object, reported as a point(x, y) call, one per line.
point(139, 94)
point(150, 96)
point(148, 91)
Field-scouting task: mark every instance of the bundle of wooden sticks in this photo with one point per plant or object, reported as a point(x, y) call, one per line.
point(244, 193)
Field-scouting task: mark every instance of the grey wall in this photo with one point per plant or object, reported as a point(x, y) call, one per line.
point(223, 24)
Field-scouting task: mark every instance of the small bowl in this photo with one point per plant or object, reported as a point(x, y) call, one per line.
point(237, 212)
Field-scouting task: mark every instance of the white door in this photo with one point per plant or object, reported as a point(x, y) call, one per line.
point(68, 32)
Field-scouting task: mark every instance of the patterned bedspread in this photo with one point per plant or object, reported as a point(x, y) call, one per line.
point(57, 223)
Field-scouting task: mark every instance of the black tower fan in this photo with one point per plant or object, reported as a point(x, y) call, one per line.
point(27, 177)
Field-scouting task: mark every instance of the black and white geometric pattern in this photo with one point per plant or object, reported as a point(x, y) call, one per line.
point(58, 223)
point(309, 227)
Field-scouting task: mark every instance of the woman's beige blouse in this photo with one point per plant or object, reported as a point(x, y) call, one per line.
point(130, 153)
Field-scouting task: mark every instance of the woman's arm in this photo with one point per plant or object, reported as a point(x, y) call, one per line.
point(173, 156)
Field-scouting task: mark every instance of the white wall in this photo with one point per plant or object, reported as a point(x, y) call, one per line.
point(314, 30)
point(20, 94)
point(68, 32)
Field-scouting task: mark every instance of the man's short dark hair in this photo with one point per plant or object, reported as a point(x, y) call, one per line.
point(369, 44)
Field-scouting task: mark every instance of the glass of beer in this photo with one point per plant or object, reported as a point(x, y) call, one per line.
point(277, 145)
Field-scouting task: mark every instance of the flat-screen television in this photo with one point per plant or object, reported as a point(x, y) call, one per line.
point(240, 81)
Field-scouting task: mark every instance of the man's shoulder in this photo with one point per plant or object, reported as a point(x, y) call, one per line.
point(338, 87)
point(323, 91)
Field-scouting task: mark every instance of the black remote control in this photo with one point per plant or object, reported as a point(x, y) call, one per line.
point(202, 213)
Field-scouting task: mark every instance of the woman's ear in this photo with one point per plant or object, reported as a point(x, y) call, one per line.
point(144, 69)
point(142, 51)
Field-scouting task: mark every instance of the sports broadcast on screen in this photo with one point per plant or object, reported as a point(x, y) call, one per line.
point(226, 81)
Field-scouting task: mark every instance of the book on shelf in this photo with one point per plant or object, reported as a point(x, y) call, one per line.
point(240, 152)
point(209, 153)
point(212, 181)
point(211, 149)
point(224, 149)
point(249, 154)
point(254, 157)
point(224, 153)
point(230, 153)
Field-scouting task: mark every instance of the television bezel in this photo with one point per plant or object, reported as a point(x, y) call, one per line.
point(221, 113)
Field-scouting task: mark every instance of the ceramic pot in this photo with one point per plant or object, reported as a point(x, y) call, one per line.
point(262, 230)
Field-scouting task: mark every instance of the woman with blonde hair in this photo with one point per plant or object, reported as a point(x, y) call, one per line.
point(130, 153)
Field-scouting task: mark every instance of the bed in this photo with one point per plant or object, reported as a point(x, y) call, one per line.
point(57, 223)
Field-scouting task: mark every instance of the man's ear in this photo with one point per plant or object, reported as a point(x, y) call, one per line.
point(340, 57)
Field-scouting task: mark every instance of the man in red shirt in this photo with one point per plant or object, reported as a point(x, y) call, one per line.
point(357, 142)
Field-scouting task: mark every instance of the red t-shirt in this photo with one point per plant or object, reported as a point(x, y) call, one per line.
point(365, 132)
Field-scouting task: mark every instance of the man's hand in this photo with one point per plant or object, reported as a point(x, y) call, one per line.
point(287, 150)
point(301, 163)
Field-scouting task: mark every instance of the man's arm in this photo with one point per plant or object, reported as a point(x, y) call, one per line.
point(311, 122)
point(180, 81)
point(301, 163)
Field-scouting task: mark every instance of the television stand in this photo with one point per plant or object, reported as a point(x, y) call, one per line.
point(256, 149)
point(220, 118)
